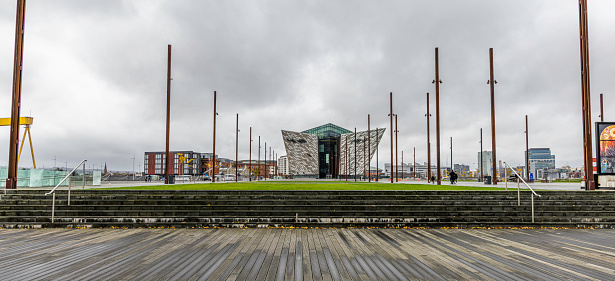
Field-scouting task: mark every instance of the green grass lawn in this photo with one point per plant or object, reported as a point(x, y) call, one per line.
point(304, 185)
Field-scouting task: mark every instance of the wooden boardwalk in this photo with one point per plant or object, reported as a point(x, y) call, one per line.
point(307, 254)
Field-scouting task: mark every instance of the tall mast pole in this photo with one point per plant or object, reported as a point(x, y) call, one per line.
point(377, 171)
point(396, 165)
point(428, 144)
point(213, 156)
point(585, 95)
point(266, 170)
point(391, 115)
point(11, 180)
point(346, 160)
point(414, 163)
point(237, 150)
point(527, 151)
point(355, 154)
point(437, 81)
point(250, 157)
point(258, 178)
point(402, 164)
point(481, 154)
point(601, 110)
point(492, 86)
point(452, 154)
point(364, 159)
point(369, 155)
point(167, 155)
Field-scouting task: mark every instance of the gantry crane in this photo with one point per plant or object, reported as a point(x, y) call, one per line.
point(26, 121)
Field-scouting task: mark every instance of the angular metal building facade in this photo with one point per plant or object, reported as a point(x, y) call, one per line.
point(363, 151)
point(328, 151)
point(302, 152)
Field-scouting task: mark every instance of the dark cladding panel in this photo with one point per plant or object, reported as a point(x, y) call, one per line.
point(302, 152)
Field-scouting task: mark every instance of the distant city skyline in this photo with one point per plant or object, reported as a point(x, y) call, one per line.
point(94, 75)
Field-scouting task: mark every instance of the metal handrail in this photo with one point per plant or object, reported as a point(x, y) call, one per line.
point(53, 200)
point(519, 189)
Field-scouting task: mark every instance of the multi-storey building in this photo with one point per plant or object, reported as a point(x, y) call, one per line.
point(283, 166)
point(540, 159)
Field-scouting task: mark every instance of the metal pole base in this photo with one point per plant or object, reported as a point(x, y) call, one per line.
point(11, 184)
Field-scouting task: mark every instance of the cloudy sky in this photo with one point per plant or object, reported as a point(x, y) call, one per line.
point(94, 75)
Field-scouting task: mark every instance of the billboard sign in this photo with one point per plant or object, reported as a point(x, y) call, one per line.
point(605, 148)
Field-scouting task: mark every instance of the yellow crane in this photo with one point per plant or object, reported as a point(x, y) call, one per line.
point(26, 121)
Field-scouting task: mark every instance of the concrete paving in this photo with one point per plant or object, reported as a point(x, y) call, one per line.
point(307, 254)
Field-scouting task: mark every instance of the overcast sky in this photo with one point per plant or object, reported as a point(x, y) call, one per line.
point(94, 75)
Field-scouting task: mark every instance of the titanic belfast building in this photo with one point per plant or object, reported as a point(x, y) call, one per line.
point(330, 151)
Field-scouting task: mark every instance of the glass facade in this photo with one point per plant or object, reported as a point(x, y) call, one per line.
point(327, 131)
point(541, 159)
point(328, 136)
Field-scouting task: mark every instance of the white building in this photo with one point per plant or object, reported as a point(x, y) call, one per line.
point(283, 167)
point(408, 169)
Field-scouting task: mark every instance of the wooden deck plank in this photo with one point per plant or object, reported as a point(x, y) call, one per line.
point(357, 254)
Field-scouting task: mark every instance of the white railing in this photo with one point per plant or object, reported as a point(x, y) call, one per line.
point(519, 178)
point(53, 191)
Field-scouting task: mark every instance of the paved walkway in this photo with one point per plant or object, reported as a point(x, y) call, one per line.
point(307, 254)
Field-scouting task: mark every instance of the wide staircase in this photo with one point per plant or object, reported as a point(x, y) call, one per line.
point(193, 209)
